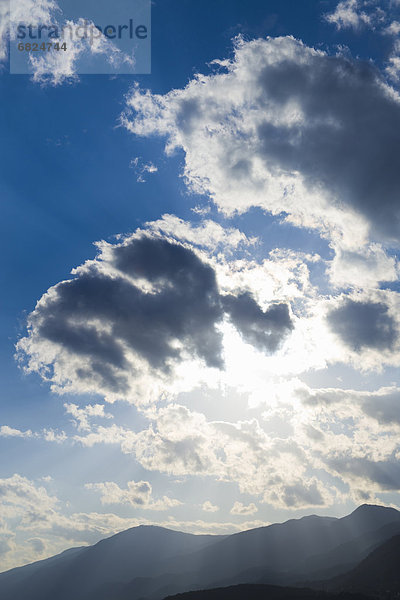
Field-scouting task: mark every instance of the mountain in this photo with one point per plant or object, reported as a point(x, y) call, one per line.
point(136, 552)
point(11, 580)
point(296, 547)
point(281, 554)
point(152, 562)
point(377, 574)
point(261, 592)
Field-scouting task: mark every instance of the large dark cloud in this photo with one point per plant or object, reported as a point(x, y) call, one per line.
point(349, 138)
point(263, 329)
point(147, 297)
point(282, 116)
point(184, 305)
point(364, 325)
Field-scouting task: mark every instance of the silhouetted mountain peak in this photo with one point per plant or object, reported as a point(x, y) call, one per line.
point(373, 508)
point(372, 513)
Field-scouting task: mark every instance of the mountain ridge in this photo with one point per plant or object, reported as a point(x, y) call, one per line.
point(151, 562)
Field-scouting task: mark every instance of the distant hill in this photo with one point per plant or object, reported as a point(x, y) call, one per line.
point(263, 592)
point(153, 562)
point(377, 574)
point(135, 552)
point(281, 554)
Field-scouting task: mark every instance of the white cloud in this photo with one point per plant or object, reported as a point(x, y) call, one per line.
point(141, 169)
point(105, 435)
point(353, 435)
point(393, 28)
point(207, 234)
point(137, 494)
point(350, 14)
point(6, 431)
point(19, 497)
point(82, 416)
point(365, 267)
point(182, 442)
point(393, 67)
point(209, 527)
point(56, 67)
point(208, 506)
point(49, 435)
point(34, 12)
point(240, 509)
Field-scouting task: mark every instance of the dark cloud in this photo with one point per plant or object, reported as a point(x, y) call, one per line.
point(384, 408)
point(283, 109)
point(348, 140)
point(385, 473)
point(38, 545)
point(184, 306)
point(264, 329)
point(147, 296)
point(302, 494)
point(364, 325)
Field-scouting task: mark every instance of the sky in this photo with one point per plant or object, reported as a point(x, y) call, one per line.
point(200, 272)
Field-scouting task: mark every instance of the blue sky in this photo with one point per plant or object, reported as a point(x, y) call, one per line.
point(287, 353)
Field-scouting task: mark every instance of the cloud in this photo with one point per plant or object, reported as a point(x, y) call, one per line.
point(380, 405)
point(379, 16)
point(130, 317)
point(240, 509)
point(363, 324)
point(137, 494)
point(5, 545)
point(141, 168)
point(393, 68)
point(182, 442)
point(83, 415)
point(38, 545)
point(384, 473)
point(353, 435)
point(364, 267)
point(301, 494)
point(350, 14)
point(98, 329)
point(56, 67)
point(6, 431)
point(206, 234)
point(295, 466)
point(208, 506)
point(7, 540)
point(34, 12)
point(282, 126)
point(19, 497)
point(49, 435)
point(105, 435)
point(384, 407)
point(34, 524)
point(263, 329)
